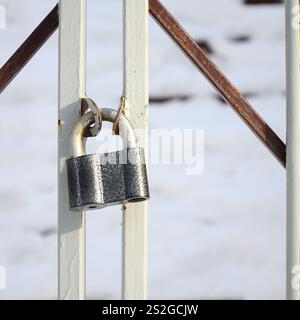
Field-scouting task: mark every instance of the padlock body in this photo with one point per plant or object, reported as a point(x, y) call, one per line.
point(100, 180)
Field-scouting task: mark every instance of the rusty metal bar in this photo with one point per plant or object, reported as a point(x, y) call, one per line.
point(229, 92)
point(29, 48)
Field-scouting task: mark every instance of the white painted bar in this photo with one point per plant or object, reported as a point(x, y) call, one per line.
point(293, 148)
point(136, 93)
point(71, 225)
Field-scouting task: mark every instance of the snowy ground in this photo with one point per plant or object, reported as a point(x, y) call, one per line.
point(217, 235)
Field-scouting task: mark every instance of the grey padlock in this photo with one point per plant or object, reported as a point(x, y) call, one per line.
point(99, 180)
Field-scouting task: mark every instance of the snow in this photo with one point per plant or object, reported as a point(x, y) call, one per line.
point(220, 235)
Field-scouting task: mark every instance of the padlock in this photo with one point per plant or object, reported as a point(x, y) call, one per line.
point(96, 181)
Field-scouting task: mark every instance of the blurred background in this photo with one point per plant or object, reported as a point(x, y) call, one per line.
point(220, 235)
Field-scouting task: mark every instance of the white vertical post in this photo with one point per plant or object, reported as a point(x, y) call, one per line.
point(71, 225)
point(293, 148)
point(136, 93)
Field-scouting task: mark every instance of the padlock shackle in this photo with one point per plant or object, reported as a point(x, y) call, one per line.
point(78, 140)
point(77, 136)
point(126, 131)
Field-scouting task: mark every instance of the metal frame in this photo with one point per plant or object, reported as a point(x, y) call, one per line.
point(71, 224)
point(72, 88)
point(293, 149)
point(202, 61)
point(136, 108)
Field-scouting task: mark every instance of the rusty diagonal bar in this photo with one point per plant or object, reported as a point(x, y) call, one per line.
point(229, 92)
point(29, 48)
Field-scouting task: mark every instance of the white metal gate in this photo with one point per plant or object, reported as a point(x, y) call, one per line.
point(71, 230)
point(72, 49)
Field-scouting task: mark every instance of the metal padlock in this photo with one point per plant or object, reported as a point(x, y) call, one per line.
point(99, 180)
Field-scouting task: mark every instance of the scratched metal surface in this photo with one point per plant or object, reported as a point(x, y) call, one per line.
point(101, 180)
